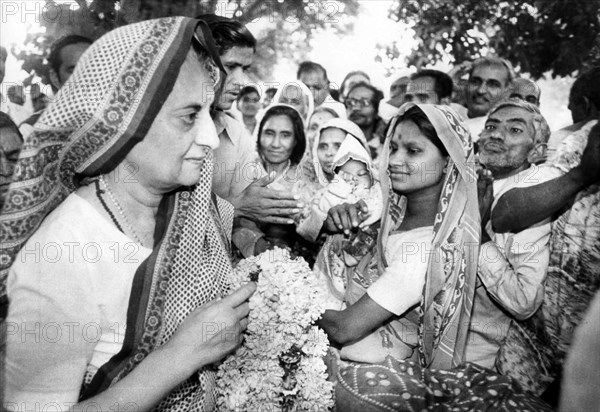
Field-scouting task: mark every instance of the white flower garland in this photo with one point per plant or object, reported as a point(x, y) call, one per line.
point(280, 366)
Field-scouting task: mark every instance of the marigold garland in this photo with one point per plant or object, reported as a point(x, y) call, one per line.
point(280, 366)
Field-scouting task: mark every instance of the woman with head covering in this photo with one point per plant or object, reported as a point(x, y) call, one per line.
point(318, 118)
point(319, 166)
point(408, 300)
point(281, 142)
point(295, 93)
point(402, 286)
point(355, 180)
point(111, 239)
point(281, 145)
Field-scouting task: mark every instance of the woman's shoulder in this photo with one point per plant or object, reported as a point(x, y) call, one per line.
point(75, 213)
point(74, 221)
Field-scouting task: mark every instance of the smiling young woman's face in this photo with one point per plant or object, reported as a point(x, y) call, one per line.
point(415, 162)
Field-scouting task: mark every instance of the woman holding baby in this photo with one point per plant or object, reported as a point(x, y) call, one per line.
point(400, 301)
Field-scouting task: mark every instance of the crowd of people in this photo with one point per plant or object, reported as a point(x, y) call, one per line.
point(457, 236)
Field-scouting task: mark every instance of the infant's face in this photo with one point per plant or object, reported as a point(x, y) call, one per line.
point(355, 172)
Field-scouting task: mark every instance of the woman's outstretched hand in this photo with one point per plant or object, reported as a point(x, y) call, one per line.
point(214, 330)
point(346, 217)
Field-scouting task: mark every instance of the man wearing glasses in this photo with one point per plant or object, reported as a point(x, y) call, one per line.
point(362, 106)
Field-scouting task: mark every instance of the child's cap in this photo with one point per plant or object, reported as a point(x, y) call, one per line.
point(352, 149)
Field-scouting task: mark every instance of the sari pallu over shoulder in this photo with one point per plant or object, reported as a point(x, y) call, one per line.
point(440, 322)
point(445, 309)
point(105, 108)
point(131, 72)
point(184, 271)
point(439, 381)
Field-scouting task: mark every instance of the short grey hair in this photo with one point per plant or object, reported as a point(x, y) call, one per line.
point(495, 61)
point(540, 125)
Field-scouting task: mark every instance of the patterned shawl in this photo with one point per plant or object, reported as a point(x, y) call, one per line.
point(445, 309)
point(106, 107)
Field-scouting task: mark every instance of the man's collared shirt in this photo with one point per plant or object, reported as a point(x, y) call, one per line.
point(512, 270)
point(235, 166)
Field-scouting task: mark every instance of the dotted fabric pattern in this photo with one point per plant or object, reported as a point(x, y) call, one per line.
point(404, 386)
point(200, 274)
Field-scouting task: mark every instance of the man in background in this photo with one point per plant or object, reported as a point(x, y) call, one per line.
point(232, 179)
point(489, 79)
point(429, 87)
point(584, 104)
point(526, 90)
point(17, 110)
point(314, 76)
point(248, 104)
point(64, 55)
point(362, 106)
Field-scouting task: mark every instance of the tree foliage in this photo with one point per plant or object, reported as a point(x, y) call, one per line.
point(288, 24)
point(561, 36)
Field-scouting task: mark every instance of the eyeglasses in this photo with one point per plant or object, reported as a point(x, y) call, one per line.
point(364, 102)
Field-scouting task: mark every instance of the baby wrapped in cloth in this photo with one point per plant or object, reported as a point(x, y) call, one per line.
point(355, 180)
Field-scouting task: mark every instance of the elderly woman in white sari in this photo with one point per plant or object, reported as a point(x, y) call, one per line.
point(116, 179)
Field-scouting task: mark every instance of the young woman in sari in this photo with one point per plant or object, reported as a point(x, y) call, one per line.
point(409, 299)
point(116, 180)
point(415, 296)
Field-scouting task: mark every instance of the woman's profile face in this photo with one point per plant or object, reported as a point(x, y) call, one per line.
point(329, 144)
point(277, 140)
point(415, 162)
point(292, 95)
point(174, 150)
